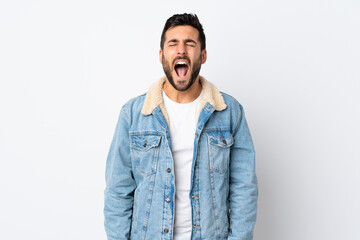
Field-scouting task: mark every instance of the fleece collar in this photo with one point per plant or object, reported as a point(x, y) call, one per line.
point(154, 97)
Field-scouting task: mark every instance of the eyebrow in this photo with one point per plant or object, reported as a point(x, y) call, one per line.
point(186, 41)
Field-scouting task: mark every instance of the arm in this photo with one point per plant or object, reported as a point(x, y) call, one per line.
point(243, 183)
point(120, 184)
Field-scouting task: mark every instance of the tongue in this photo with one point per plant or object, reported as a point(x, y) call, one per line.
point(181, 71)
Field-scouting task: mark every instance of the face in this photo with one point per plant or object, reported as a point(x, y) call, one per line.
point(182, 57)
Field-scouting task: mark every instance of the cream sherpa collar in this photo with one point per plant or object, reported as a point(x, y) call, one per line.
point(154, 97)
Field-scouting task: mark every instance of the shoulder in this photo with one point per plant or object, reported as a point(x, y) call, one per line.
point(135, 101)
point(133, 105)
point(231, 102)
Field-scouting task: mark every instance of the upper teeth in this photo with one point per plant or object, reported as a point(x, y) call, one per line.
point(182, 63)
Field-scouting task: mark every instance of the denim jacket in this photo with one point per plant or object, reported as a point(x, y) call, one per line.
point(140, 181)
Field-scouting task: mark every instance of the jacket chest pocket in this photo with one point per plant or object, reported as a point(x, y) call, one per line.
point(145, 150)
point(219, 143)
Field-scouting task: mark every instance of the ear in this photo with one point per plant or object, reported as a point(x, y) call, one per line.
point(160, 56)
point(203, 56)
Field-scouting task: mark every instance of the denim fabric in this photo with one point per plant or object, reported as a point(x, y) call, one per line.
point(140, 179)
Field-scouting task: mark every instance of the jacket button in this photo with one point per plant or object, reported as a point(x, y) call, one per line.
point(167, 200)
point(168, 170)
point(223, 140)
point(166, 230)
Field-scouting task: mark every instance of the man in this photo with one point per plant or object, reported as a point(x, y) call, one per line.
point(181, 164)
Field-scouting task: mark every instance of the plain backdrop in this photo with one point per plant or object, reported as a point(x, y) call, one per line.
point(67, 67)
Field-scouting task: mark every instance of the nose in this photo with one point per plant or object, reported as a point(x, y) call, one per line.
point(181, 50)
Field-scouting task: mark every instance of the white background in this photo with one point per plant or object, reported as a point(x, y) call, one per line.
point(67, 67)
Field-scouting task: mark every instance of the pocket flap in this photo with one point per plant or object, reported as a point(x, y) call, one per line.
point(145, 142)
point(221, 138)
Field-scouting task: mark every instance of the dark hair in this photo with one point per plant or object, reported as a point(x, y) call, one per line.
point(184, 19)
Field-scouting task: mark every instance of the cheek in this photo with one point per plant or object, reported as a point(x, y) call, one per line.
point(167, 57)
point(169, 52)
point(197, 55)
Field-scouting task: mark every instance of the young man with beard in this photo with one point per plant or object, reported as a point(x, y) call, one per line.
point(181, 164)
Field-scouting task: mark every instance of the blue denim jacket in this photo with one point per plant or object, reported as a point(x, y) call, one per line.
point(140, 181)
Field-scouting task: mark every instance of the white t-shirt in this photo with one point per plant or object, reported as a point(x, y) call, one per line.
point(182, 117)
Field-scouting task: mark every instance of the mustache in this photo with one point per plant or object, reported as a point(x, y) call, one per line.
point(181, 58)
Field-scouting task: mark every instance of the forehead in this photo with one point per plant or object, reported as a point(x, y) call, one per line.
point(182, 32)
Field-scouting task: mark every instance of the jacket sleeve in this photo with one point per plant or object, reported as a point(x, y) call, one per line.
point(243, 183)
point(120, 184)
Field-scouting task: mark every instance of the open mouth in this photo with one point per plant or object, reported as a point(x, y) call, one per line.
point(181, 69)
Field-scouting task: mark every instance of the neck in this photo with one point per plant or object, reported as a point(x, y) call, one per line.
point(186, 96)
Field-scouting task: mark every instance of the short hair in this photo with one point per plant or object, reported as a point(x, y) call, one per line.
point(181, 20)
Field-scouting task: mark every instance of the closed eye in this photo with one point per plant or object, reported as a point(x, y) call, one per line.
point(190, 42)
point(172, 42)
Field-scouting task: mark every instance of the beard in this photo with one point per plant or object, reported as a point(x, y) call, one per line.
point(195, 69)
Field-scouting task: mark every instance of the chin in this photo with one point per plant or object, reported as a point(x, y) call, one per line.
point(181, 83)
